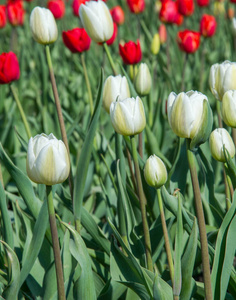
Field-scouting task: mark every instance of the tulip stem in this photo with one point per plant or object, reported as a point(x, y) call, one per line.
point(142, 202)
point(166, 237)
point(201, 224)
point(110, 58)
point(23, 117)
point(183, 73)
point(59, 111)
point(55, 244)
point(87, 84)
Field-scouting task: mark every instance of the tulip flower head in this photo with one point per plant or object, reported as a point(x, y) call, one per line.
point(222, 78)
point(15, 13)
point(185, 7)
point(220, 139)
point(130, 52)
point(9, 68)
point(116, 88)
point(76, 5)
point(143, 80)
point(190, 116)
point(229, 108)
point(208, 25)
point(136, 6)
point(203, 3)
point(77, 40)
point(57, 7)
point(47, 160)
point(118, 15)
point(128, 116)
point(169, 12)
point(188, 41)
point(3, 16)
point(43, 26)
point(155, 172)
point(97, 20)
point(156, 43)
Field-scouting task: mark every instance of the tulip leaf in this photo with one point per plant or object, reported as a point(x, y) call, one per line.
point(205, 126)
point(85, 155)
point(11, 292)
point(7, 228)
point(23, 184)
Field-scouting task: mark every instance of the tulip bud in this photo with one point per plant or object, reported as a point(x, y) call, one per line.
point(185, 7)
point(208, 25)
point(229, 108)
point(115, 88)
point(203, 3)
point(77, 40)
point(143, 80)
point(162, 33)
point(118, 15)
point(155, 45)
point(188, 41)
point(130, 52)
point(222, 78)
point(3, 16)
point(155, 172)
point(128, 116)
point(190, 116)
point(97, 20)
point(9, 68)
point(136, 6)
point(57, 7)
point(219, 139)
point(15, 13)
point(43, 26)
point(47, 160)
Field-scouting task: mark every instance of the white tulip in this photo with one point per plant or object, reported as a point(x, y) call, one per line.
point(185, 112)
point(97, 20)
point(128, 116)
point(219, 138)
point(143, 80)
point(155, 172)
point(116, 88)
point(43, 26)
point(222, 78)
point(47, 160)
point(229, 108)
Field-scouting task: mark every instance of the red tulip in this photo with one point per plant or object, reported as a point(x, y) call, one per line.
point(118, 15)
point(162, 33)
point(114, 35)
point(3, 16)
point(76, 5)
point(169, 12)
point(185, 7)
point(233, 1)
point(15, 12)
point(188, 40)
point(136, 6)
point(57, 8)
point(9, 68)
point(208, 25)
point(77, 40)
point(202, 3)
point(130, 52)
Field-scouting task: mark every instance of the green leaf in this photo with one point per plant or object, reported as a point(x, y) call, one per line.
point(85, 155)
point(11, 292)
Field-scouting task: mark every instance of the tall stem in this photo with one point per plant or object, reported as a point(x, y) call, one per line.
point(166, 237)
point(110, 58)
point(142, 205)
point(183, 73)
point(55, 244)
point(87, 83)
point(201, 224)
point(59, 111)
point(23, 117)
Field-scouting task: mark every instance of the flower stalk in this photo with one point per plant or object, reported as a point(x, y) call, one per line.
point(55, 243)
point(110, 58)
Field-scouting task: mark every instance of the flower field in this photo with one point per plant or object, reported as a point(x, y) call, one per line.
point(117, 149)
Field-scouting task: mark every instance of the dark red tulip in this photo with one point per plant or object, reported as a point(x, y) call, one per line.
point(136, 6)
point(77, 40)
point(57, 8)
point(118, 15)
point(3, 16)
point(130, 52)
point(208, 25)
point(9, 68)
point(15, 12)
point(202, 3)
point(185, 7)
point(188, 40)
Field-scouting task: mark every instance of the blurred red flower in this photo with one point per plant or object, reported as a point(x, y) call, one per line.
point(188, 40)
point(208, 25)
point(77, 40)
point(9, 68)
point(118, 15)
point(203, 2)
point(57, 8)
point(130, 52)
point(169, 13)
point(3, 16)
point(15, 12)
point(136, 6)
point(185, 7)
point(75, 6)
point(162, 33)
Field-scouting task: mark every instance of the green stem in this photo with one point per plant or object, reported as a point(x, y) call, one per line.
point(166, 237)
point(183, 74)
point(110, 58)
point(59, 111)
point(150, 110)
point(55, 244)
point(201, 224)
point(219, 113)
point(142, 205)
point(87, 83)
point(23, 117)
